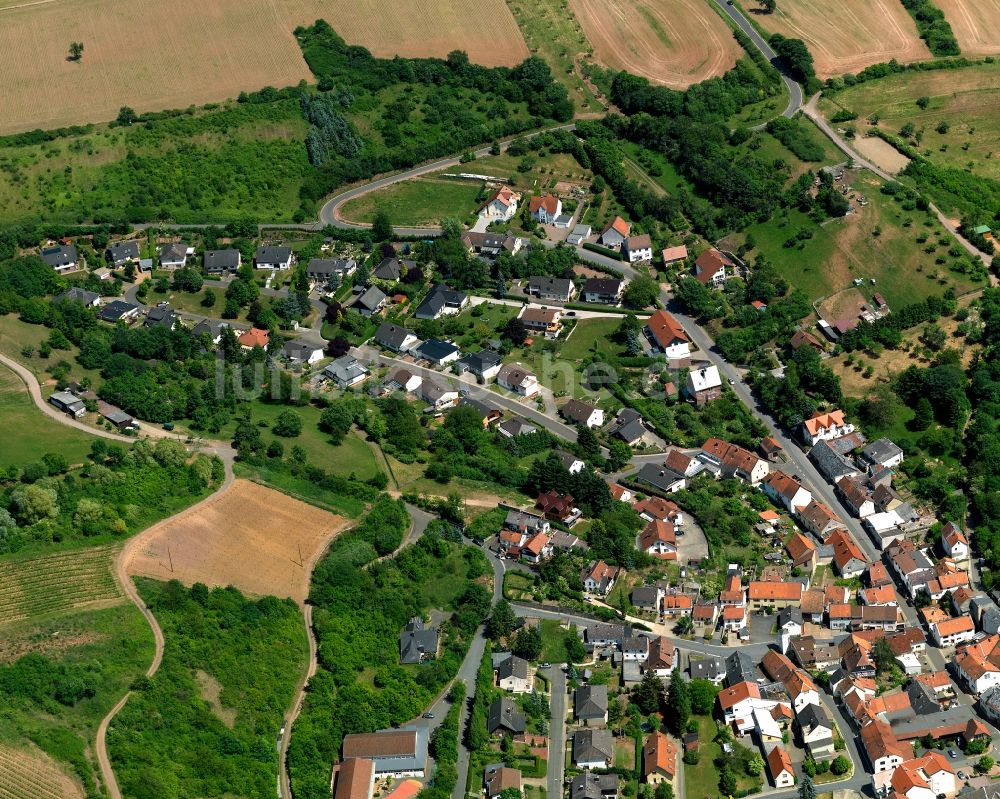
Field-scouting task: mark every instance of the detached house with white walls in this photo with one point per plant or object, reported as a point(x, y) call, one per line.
point(825, 426)
point(501, 206)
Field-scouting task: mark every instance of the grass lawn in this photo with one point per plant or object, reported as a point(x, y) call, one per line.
point(625, 753)
point(553, 641)
point(966, 99)
point(657, 167)
point(15, 334)
point(517, 586)
point(301, 488)
point(470, 328)
point(27, 433)
point(587, 334)
point(184, 302)
point(875, 242)
point(418, 202)
point(703, 779)
point(451, 581)
point(537, 171)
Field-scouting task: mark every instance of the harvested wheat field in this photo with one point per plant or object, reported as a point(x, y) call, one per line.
point(850, 35)
point(975, 23)
point(152, 55)
point(251, 537)
point(674, 42)
point(32, 774)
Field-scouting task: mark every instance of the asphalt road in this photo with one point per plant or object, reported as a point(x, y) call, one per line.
point(794, 90)
point(329, 214)
point(557, 734)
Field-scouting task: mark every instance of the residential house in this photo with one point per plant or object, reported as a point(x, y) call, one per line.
point(273, 258)
point(884, 751)
point(712, 268)
point(825, 426)
point(740, 668)
point(572, 463)
point(629, 427)
point(590, 703)
point(863, 617)
point(744, 465)
point(785, 490)
point(254, 337)
point(498, 778)
point(667, 336)
point(514, 427)
point(123, 252)
point(346, 371)
point(484, 365)
point(675, 605)
point(659, 540)
point(882, 453)
point(441, 301)
point(831, 464)
point(978, 664)
point(491, 245)
point(801, 338)
point(504, 717)
point(559, 289)
point(515, 377)
point(736, 705)
point(302, 352)
point(953, 631)
point(884, 596)
point(392, 270)
point(658, 508)
point(394, 337)
point(437, 351)
point(614, 234)
point(813, 606)
point(762, 595)
point(436, 395)
point(217, 262)
point(647, 597)
point(173, 256)
point(119, 311)
point(771, 449)
point(161, 315)
point(674, 255)
point(488, 414)
point(61, 258)
point(661, 478)
point(525, 523)
point(91, 299)
point(709, 668)
point(322, 270)
point(924, 777)
point(557, 507)
point(370, 302)
point(582, 413)
point(511, 674)
point(705, 616)
point(396, 753)
point(848, 558)
point(662, 657)
point(210, 327)
point(954, 542)
point(402, 380)
point(818, 519)
point(542, 320)
point(812, 653)
point(599, 578)
point(704, 385)
point(593, 748)
point(539, 548)
point(588, 785)
point(638, 248)
point(790, 621)
point(603, 290)
point(418, 642)
point(779, 766)
point(501, 205)
point(856, 496)
point(544, 208)
point(659, 758)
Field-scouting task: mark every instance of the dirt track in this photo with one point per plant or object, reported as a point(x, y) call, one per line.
point(674, 42)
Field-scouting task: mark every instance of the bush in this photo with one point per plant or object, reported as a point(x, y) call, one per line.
point(840, 765)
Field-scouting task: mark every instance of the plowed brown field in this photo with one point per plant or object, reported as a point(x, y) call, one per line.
point(251, 537)
point(153, 55)
point(849, 35)
point(674, 42)
point(976, 24)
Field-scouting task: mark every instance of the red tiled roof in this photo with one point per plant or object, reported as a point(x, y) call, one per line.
point(665, 329)
point(821, 421)
point(762, 592)
point(547, 201)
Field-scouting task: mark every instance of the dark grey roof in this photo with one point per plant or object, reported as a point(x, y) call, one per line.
point(599, 631)
point(115, 310)
point(417, 641)
point(568, 458)
point(512, 666)
point(272, 255)
point(325, 267)
point(516, 427)
point(657, 476)
point(590, 702)
point(57, 256)
point(739, 668)
point(211, 327)
point(787, 614)
point(602, 285)
point(78, 295)
point(479, 362)
point(593, 786)
point(437, 299)
point(173, 252)
point(707, 668)
point(503, 714)
point(631, 431)
point(484, 409)
point(371, 300)
point(434, 349)
point(299, 350)
point(122, 251)
point(590, 746)
point(393, 269)
point(390, 335)
point(577, 411)
point(923, 698)
point(222, 260)
point(550, 285)
point(645, 596)
point(880, 451)
point(813, 716)
point(161, 316)
point(831, 464)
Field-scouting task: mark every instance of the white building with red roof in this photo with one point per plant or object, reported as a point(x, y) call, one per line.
point(501, 206)
point(825, 427)
point(544, 208)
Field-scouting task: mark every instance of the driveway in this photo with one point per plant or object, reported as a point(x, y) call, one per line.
point(692, 545)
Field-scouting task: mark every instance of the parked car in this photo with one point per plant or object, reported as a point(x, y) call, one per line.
point(428, 715)
point(952, 754)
